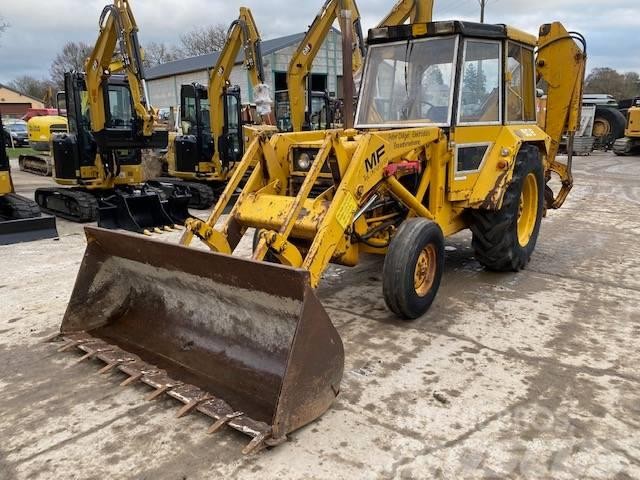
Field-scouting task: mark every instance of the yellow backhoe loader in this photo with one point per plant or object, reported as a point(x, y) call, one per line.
point(110, 121)
point(212, 142)
point(630, 143)
point(20, 219)
point(434, 151)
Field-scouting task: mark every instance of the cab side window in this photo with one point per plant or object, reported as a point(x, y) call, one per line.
point(480, 95)
point(520, 81)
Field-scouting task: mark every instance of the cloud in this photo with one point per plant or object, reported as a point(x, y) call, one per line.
point(39, 28)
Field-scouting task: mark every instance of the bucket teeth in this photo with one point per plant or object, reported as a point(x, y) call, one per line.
point(223, 421)
point(192, 397)
point(158, 392)
point(256, 444)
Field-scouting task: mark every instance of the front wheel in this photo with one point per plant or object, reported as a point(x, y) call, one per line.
point(504, 240)
point(413, 268)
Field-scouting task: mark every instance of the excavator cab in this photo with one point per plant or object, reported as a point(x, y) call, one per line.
point(196, 145)
point(119, 143)
point(318, 113)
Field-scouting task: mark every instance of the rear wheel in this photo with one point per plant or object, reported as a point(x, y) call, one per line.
point(609, 125)
point(504, 240)
point(413, 268)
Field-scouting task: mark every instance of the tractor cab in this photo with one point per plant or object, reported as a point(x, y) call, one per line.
point(447, 74)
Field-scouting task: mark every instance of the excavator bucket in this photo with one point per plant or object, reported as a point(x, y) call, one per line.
point(245, 343)
point(142, 211)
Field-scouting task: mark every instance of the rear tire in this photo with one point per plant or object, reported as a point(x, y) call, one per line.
point(609, 125)
point(413, 268)
point(504, 240)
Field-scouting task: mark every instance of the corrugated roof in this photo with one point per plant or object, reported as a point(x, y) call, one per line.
point(204, 62)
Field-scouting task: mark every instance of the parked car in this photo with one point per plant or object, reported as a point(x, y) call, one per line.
point(16, 132)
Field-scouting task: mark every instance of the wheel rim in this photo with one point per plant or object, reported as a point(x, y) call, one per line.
point(425, 272)
point(601, 128)
point(528, 211)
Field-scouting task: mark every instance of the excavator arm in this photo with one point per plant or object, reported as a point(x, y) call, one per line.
point(243, 33)
point(302, 60)
point(118, 49)
point(561, 61)
point(416, 11)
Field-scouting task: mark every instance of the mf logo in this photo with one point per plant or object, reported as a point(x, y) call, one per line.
point(372, 162)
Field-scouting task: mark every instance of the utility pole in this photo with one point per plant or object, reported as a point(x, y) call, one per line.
point(483, 4)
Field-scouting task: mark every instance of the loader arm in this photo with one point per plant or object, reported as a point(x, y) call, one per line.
point(416, 11)
point(243, 33)
point(561, 63)
point(302, 60)
point(118, 48)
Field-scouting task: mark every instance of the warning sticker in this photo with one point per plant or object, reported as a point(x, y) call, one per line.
point(346, 211)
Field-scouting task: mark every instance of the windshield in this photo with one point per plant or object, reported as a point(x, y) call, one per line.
point(408, 83)
point(17, 127)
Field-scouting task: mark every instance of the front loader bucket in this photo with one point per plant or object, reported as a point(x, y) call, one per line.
point(246, 343)
point(138, 212)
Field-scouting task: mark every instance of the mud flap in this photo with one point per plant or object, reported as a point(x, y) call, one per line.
point(138, 212)
point(246, 343)
point(27, 230)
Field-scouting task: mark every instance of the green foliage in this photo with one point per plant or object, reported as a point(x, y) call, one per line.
point(607, 80)
point(475, 84)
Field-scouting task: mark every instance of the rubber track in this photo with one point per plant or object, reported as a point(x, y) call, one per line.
point(15, 207)
point(35, 165)
point(87, 204)
point(205, 195)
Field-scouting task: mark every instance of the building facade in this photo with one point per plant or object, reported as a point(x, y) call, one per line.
point(164, 81)
point(13, 104)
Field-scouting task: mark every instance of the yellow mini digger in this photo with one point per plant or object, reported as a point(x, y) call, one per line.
point(445, 139)
point(212, 141)
point(110, 121)
point(20, 219)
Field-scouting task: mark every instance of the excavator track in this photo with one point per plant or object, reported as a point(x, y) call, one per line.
point(70, 204)
point(15, 207)
point(36, 165)
point(22, 221)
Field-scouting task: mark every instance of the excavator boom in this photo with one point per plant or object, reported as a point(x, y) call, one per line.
point(303, 58)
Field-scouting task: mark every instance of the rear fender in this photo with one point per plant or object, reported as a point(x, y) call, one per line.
point(496, 175)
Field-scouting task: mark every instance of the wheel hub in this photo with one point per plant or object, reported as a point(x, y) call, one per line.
point(528, 210)
point(425, 272)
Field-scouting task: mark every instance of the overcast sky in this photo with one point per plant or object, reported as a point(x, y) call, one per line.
point(39, 28)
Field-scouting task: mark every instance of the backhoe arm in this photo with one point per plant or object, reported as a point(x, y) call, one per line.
point(243, 33)
point(302, 60)
point(416, 11)
point(561, 62)
point(118, 48)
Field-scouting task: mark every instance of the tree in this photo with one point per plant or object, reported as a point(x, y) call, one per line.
point(203, 40)
point(72, 57)
point(28, 85)
point(607, 80)
point(159, 53)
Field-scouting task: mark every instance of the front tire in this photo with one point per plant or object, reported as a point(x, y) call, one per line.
point(413, 268)
point(504, 240)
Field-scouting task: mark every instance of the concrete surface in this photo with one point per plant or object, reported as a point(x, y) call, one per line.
point(531, 375)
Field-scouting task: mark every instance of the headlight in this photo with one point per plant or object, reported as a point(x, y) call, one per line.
point(303, 162)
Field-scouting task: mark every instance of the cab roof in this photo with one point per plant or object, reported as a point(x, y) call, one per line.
point(436, 29)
